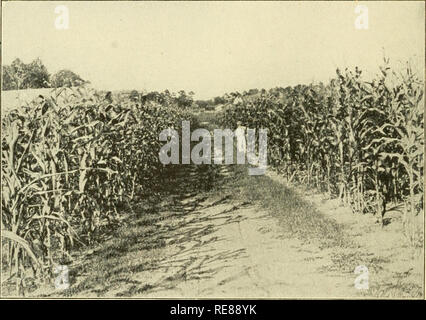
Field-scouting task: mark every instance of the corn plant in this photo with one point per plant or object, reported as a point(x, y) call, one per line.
point(361, 141)
point(70, 163)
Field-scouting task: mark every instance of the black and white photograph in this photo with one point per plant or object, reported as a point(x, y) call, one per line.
point(212, 150)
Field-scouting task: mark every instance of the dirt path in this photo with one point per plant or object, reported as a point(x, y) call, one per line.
point(219, 235)
point(246, 256)
point(216, 245)
point(396, 268)
point(219, 247)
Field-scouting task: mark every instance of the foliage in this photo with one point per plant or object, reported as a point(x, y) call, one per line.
point(185, 100)
point(66, 78)
point(70, 163)
point(360, 141)
point(23, 76)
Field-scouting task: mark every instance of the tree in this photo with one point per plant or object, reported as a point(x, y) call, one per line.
point(25, 76)
point(219, 100)
point(14, 75)
point(202, 103)
point(8, 78)
point(134, 95)
point(66, 78)
point(252, 92)
point(185, 100)
point(36, 75)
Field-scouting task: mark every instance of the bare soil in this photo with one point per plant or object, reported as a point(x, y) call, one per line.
point(225, 242)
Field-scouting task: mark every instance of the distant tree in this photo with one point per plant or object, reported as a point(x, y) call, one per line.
point(219, 100)
point(18, 69)
point(202, 103)
point(153, 96)
point(253, 92)
point(36, 75)
point(9, 80)
point(25, 76)
point(185, 100)
point(134, 95)
point(66, 78)
point(108, 97)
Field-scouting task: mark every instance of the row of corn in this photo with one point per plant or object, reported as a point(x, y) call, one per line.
point(359, 141)
point(70, 163)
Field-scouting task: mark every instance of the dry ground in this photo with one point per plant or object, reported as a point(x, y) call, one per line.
point(246, 237)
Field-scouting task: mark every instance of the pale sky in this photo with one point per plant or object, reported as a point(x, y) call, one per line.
point(211, 47)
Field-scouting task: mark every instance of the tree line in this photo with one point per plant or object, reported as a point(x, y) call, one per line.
point(19, 75)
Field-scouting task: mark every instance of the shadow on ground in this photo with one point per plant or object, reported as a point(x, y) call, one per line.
point(163, 236)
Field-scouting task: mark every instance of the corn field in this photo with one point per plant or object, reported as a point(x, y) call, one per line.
point(359, 141)
point(70, 163)
point(74, 161)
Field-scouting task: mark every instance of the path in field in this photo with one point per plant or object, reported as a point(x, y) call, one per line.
point(217, 246)
point(223, 248)
point(205, 243)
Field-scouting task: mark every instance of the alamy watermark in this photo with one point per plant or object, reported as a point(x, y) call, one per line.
point(62, 20)
point(62, 280)
point(361, 20)
point(361, 282)
point(201, 153)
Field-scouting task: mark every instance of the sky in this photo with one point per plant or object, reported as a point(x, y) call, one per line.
point(211, 47)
